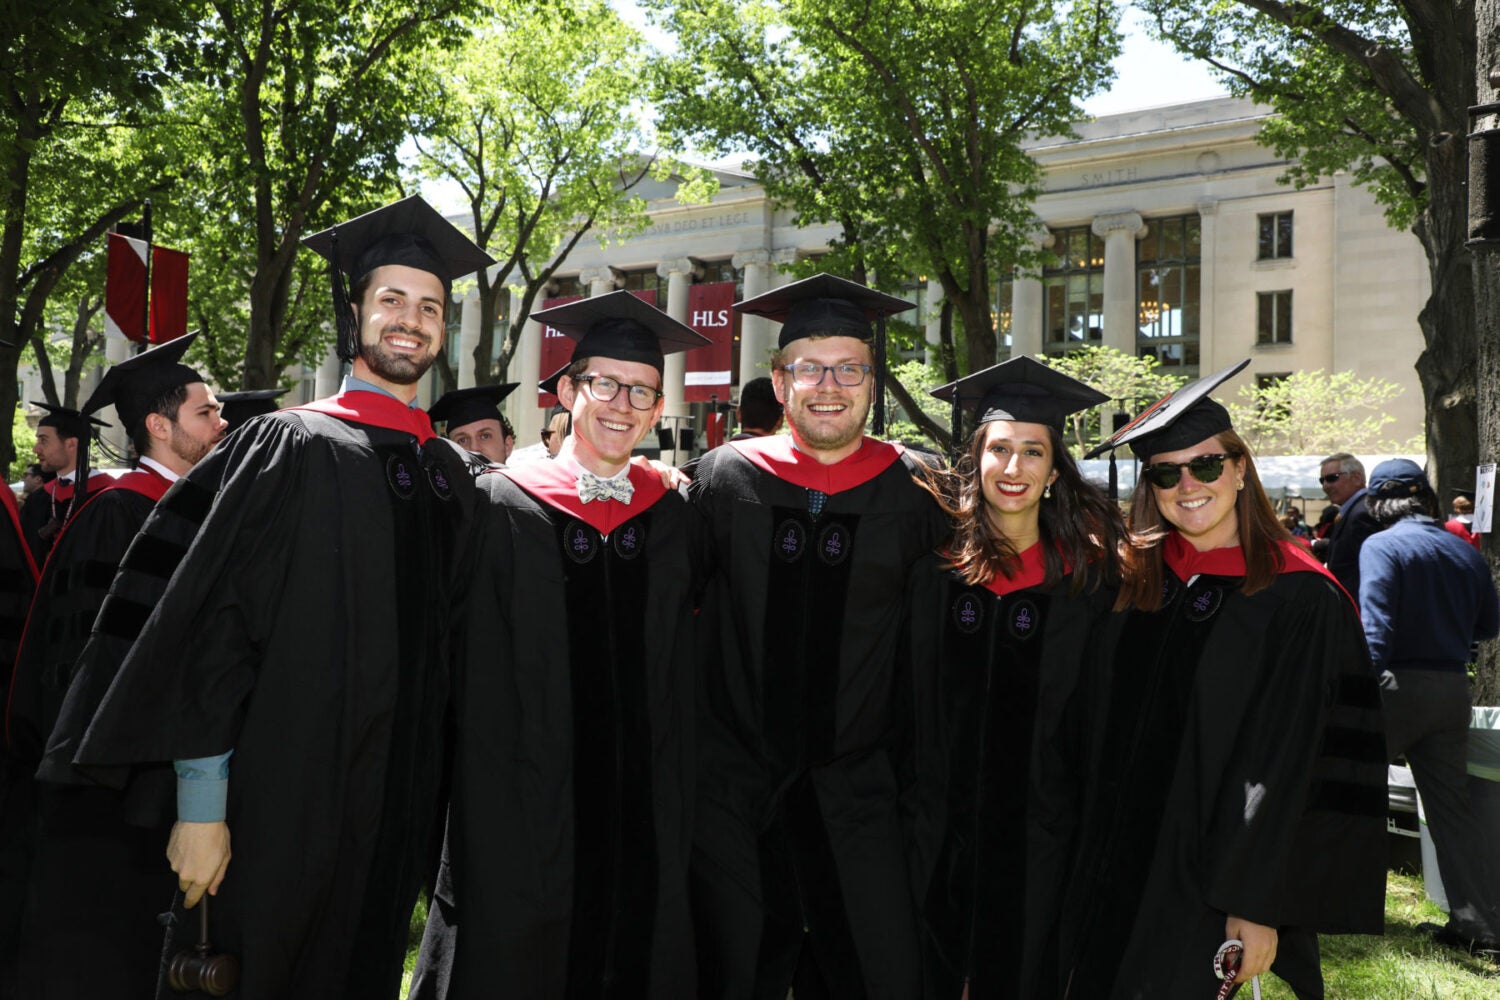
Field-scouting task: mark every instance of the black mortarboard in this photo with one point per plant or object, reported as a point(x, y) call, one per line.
point(828, 306)
point(1021, 389)
point(1178, 420)
point(464, 406)
point(620, 326)
point(238, 407)
point(68, 423)
point(136, 383)
point(409, 232)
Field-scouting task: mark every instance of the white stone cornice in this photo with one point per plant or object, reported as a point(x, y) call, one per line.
point(1041, 235)
point(688, 266)
point(1208, 206)
point(786, 255)
point(1130, 222)
point(748, 258)
point(613, 277)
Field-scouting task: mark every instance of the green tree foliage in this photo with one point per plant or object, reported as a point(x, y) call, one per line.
point(1131, 382)
point(539, 127)
point(298, 110)
point(1380, 90)
point(899, 122)
point(1318, 413)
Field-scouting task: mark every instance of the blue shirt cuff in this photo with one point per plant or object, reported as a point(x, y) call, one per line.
point(203, 788)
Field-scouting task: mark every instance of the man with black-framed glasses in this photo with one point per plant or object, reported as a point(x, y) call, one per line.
point(568, 837)
point(800, 859)
point(1343, 480)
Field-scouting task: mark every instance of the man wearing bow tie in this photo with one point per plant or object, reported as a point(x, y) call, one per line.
point(569, 829)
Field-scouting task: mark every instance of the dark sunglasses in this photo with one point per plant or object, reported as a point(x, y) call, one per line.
point(1165, 475)
point(1331, 478)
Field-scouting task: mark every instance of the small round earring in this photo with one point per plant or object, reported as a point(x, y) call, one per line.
point(1239, 485)
point(1047, 493)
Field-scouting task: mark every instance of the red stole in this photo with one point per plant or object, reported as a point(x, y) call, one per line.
point(146, 481)
point(361, 406)
point(775, 454)
point(1187, 562)
point(555, 483)
point(1030, 573)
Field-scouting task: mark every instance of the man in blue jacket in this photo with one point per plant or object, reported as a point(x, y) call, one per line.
point(1426, 597)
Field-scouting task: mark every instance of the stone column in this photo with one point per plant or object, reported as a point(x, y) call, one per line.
point(680, 274)
point(328, 374)
point(468, 336)
point(1119, 230)
point(601, 280)
point(1208, 220)
point(1028, 312)
point(755, 331)
point(933, 321)
point(525, 415)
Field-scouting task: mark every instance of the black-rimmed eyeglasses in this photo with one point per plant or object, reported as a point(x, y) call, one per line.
point(810, 373)
point(603, 388)
point(1165, 475)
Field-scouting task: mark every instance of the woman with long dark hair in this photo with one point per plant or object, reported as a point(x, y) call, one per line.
point(1236, 778)
point(999, 622)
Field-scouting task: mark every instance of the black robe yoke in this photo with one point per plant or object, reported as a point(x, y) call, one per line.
point(991, 673)
point(565, 874)
point(800, 841)
point(96, 882)
point(306, 629)
point(1237, 768)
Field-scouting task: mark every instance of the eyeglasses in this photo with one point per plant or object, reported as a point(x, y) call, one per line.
point(1165, 475)
point(1331, 478)
point(811, 373)
point(603, 388)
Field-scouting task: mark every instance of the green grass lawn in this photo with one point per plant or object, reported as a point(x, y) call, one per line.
point(1402, 965)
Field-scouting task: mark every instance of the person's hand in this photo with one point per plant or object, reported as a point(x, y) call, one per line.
point(199, 854)
point(1260, 946)
point(671, 476)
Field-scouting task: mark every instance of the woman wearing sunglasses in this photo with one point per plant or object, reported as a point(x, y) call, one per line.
point(999, 622)
point(1236, 788)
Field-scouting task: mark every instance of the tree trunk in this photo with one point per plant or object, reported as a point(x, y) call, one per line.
point(1486, 306)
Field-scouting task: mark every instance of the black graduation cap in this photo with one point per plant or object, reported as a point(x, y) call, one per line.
point(829, 306)
point(1178, 420)
point(238, 407)
point(137, 382)
point(465, 406)
point(67, 422)
point(620, 326)
point(409, 232)
point(1021, 389)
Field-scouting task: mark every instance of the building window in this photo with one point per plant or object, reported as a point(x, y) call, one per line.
point(647, 280)
point(1168, 276)
point(1073, 290)
point(1273, 317)
point(1005, 296)
point(1275, 235)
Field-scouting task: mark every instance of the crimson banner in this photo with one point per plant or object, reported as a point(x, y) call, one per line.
point(169, 294)
point(125, 287)
point(708, 367)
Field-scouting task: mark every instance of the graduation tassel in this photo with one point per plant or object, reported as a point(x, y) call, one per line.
point(348, 331)
point(880, 376)
point(1114, 478)
point(956, 429)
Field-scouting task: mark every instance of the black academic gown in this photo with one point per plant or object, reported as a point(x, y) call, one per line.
point(799, 851)
point(565, 873)
point(992, 669)
point(1237, 767)
point(96, 882)
point(306, 628)
point(17, 584)
point(52, 501)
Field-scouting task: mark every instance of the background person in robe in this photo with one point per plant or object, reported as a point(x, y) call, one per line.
point(1425, 596)
point(569, 833)
point(97, 881)
point(1000, 619)
point(800, 874)
point(1235, 772)
point(237, 408)
point(473, 421)
point(305, 631)
point(61, 449)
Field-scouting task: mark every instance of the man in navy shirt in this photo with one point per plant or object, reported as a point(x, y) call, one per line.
point(1425, 597)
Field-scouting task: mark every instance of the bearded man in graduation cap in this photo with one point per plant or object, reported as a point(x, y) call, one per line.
point(304, 632)
point(62, 440)
point(799, 867)
point(569, 834)
point(97, 881)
